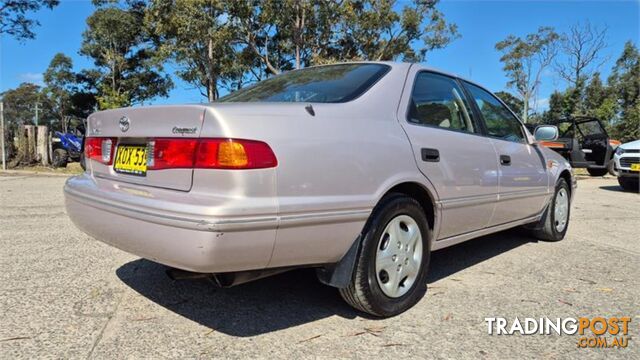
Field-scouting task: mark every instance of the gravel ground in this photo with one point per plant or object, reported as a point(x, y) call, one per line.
point(65, 295)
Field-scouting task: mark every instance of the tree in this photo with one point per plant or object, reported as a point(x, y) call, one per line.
point(60, 80)
point(199, 37)
point(121, 49)
point(14, 20)
point(297, 33)
point(524, 61)
point(599, 101)
point(557, 108)
point(625, 84)
point(374, 30)
point(516, 105)
point(19, 104)
point(581, 46)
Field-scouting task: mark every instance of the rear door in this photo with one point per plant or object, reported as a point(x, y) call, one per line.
point(523, 182)
point(134, 132)
point(450, 151)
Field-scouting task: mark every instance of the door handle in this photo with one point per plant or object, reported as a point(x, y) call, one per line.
point(430, 155)
point(505, 160)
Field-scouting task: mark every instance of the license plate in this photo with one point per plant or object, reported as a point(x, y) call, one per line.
point(635, 167)
point(131, 159)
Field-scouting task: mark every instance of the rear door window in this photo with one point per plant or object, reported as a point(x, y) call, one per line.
point(437, 100)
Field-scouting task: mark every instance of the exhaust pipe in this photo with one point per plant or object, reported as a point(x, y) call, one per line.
point(225, 280)
point(179, 274)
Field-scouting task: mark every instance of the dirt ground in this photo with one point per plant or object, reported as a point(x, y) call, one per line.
point(65, 295)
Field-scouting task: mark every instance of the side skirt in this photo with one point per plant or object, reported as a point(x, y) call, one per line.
point(441, 244)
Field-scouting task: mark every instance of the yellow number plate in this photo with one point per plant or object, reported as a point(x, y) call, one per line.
point(131, 159)
point(635, 167)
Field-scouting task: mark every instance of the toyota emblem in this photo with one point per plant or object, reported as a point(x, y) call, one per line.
point(124, 123)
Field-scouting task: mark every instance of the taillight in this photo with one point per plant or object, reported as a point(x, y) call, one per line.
point(99, 149)
point(234, 154)
point(171, 153)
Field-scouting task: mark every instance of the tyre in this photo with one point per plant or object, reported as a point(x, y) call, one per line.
point(629, 183)
point(555, 220)
point(598, 172)
point(59, 158)
point(390, 272)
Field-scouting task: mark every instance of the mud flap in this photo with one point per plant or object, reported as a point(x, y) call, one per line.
point(339, 274)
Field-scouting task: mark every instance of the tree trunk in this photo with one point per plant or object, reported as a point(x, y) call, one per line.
point(211, 78)
point(43, 145)
point(525, 110)
point(25, 148)
point(31, 144)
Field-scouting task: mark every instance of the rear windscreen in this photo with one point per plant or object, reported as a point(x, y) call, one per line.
point(323, 84)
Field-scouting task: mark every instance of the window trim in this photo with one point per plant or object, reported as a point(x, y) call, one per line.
point(479, 129)
point(466, 84)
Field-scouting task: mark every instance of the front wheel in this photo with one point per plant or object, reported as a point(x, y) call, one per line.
point(629, 183)
point(555, 220)
point(391, 269)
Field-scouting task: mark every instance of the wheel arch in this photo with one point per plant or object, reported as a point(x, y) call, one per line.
point(339, 274)
point(421, 194)
point(566, 175)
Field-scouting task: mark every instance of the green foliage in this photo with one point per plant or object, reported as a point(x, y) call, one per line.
point(625, 85)
point(229, 43)
point(14, 20)
point(60, 85)
point(121, 49)
point(525, 59)
point(19, 104)
point(373, 30)
point(199, 36)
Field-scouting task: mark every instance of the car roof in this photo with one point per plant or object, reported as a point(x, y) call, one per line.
point(406, 65)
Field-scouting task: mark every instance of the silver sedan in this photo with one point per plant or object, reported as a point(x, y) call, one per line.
point(360, 170)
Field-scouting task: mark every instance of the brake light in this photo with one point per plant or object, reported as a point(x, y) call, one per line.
point(171, 153)
point(99, 149)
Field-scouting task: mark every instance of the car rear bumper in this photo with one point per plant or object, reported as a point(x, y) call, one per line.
point(140, 222)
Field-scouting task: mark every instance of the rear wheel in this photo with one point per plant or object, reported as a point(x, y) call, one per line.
point(59, 158)
point(629, 183)
point(390, 273)
point(555, 221)
point(598, 172)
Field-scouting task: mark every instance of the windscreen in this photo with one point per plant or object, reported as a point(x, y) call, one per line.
point(323, 84)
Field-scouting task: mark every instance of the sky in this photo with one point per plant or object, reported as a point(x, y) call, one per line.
point(480, 23)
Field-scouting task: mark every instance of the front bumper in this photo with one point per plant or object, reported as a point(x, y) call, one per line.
point(144, 222)
point(623, 164)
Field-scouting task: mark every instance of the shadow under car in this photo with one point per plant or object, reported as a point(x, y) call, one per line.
point(288, 299)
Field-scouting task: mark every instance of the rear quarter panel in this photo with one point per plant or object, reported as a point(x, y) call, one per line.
point(332, 167)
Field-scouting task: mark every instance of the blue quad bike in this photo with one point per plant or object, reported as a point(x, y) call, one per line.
point(67, 147)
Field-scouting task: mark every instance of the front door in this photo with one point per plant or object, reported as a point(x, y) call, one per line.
point(451, 152)
point(523, 182)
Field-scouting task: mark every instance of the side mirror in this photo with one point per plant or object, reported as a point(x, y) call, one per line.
point(546, 133)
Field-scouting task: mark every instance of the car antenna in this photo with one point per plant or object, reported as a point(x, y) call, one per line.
point(310, 110)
